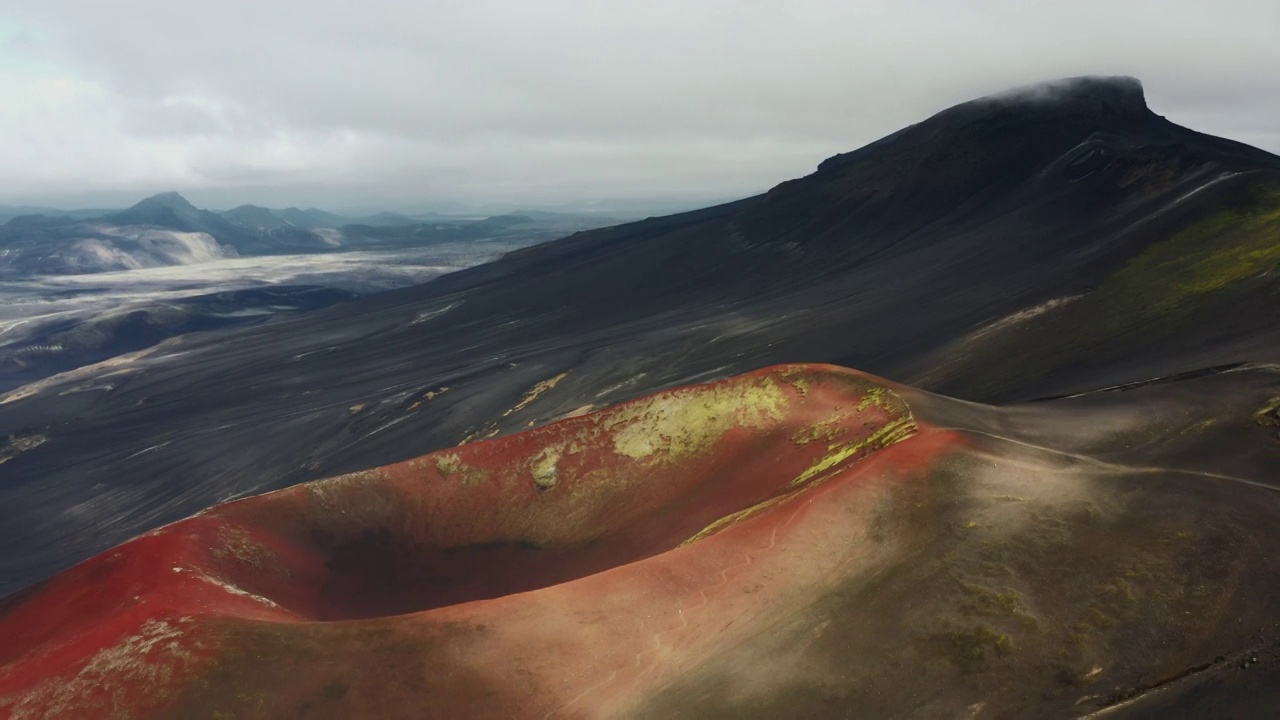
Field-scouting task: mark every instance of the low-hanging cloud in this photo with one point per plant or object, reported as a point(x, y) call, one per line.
point(405, 103)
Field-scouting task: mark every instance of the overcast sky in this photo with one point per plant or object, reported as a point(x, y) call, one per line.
point(408, 103)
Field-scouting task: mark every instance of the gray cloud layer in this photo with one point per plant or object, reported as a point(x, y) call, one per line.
point(404, 102)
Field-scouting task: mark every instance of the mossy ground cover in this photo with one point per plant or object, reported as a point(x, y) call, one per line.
point(1217, 263)
point(1170, 278)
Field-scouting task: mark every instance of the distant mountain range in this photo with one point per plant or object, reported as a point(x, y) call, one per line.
point(9, 212)
point(166, 229)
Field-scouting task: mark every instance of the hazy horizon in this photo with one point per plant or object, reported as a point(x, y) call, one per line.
point(620, 208)
point(419, 106)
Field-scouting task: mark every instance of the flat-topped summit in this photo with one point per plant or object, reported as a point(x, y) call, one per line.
point(1119, 93)
point(1030, 120)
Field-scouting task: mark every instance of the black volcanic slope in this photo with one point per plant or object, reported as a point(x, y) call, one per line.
point(1016, 247)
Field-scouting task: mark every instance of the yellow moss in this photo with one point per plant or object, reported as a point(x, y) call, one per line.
point(449, 464)
point(545, 470)
point(733, 519)
point(827, 430)
point(893, 432)
point(877, 396)
point(691, 420)
point(799, 380)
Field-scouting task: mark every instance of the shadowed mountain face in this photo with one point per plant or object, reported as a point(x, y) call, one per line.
point(309, 218)
point(1039, 243)
point(257, 218)
point(171, 210)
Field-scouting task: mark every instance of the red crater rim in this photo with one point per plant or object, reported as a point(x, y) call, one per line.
point(473, 523)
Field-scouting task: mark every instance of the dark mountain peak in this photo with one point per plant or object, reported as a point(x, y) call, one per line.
point(1096, 103)
point(1113, 104)
point(1091, 139)
point(168, 210)
point(171, 200)
point(1024, 121)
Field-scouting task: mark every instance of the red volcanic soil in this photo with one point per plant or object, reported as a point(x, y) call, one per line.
point(568, 570)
